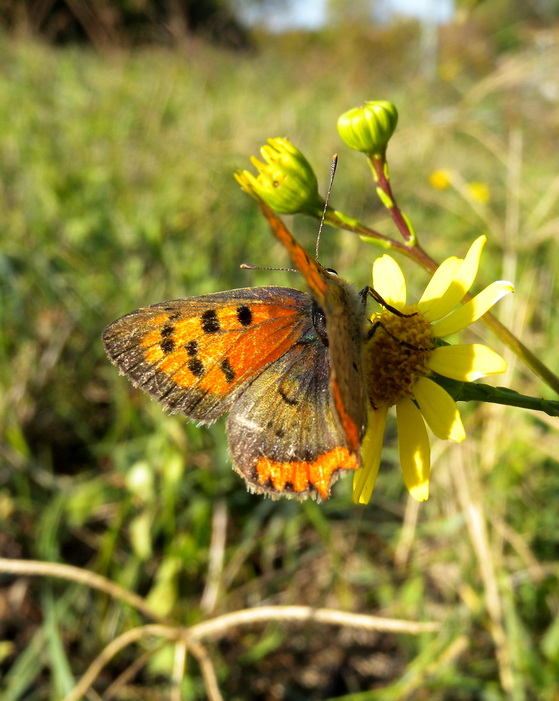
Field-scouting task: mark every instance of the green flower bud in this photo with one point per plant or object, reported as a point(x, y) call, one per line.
point(286, 181)
point(369, 128)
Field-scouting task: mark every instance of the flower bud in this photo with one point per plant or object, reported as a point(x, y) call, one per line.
point(285, 181)
point(369, 128)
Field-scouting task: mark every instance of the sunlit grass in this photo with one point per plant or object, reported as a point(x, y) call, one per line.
point(116, 192)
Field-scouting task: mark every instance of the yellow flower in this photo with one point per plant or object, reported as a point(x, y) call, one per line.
point(402, 354)
point(479, 192)
point(440, 179)
point(285, 181)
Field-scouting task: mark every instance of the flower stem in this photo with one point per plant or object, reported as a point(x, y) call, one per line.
point(339, 220)
point(472, 391)
point(379, 166)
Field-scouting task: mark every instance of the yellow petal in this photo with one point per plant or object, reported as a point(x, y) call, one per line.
point(464, 277)
point(439, 410)
point(389, 281)
point(415, 452)
point(466, 362)
point(257, 164)
point(268, 153)
point(364, 479)
point(472, 310)
point(439, 283)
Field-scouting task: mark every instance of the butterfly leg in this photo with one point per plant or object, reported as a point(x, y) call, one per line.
point(378, 324)
point(369, 291)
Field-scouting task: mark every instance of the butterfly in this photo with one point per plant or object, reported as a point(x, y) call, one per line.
point(288, 367)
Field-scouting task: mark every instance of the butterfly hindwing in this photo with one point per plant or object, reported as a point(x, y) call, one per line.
point(284, 432)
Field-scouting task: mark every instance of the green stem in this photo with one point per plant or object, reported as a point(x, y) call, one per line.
point(339, 220)
point(474, 392)
point(524, 353)
point(379, 167)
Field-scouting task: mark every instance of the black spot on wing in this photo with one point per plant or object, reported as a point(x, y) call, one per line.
point(210, 321)
point(167, 345)
point(173, 313)
point(286, 399)
point(167, 330)
point(227, 370)
point(196, 367)
point(244, 315)
point(191, 348)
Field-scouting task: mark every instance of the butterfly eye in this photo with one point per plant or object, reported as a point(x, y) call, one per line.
point(332, 271)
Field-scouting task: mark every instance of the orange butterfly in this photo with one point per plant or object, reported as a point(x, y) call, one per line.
point(288, 367)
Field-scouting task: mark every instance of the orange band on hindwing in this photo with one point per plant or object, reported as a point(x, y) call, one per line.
point(302, 475)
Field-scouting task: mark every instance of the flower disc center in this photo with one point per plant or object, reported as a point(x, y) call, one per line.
point(395, 356)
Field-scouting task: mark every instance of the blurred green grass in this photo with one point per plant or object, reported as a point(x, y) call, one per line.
point(116, 192)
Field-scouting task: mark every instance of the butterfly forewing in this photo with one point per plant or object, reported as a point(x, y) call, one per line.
point(195, 354)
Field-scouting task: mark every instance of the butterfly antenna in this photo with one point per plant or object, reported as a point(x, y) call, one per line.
point(247, 266)
point(333, 167)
